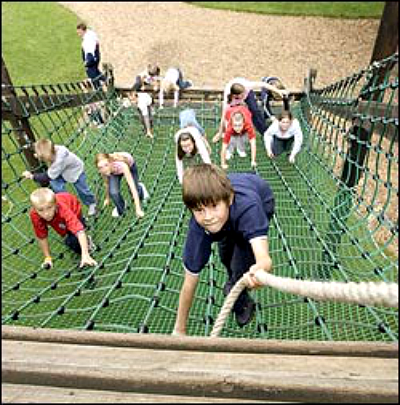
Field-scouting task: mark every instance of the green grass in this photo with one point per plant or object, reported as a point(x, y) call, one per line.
point(40, 44)
point(345, 9)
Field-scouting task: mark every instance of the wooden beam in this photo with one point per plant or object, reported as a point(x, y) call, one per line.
point(168, 342)
point(22, 129)
point(261, 376)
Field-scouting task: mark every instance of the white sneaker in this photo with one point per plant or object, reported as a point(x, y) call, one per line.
point(114, 213)
point(146, 194)
point(91, 245)
point(228, 155)
point(92, 210)
point(242, 153)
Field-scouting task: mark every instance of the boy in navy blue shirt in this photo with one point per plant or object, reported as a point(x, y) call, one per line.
point(235, 211)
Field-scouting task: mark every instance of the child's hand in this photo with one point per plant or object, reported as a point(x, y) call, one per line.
point(106, 202)
point(48, 263)
point(251, 278)
point(27, 175)
point(270, 155)
point(177, 333)
point(224, 166)
point(253, 164)
point(216, 137)
point(87, 260)
point(139, 213)
point(291, 159)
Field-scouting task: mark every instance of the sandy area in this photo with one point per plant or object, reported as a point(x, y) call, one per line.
point(213, 46)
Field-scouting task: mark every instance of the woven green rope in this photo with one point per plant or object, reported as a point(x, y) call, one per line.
point(326, 227)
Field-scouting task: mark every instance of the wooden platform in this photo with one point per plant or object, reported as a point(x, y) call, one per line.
point(71, 366)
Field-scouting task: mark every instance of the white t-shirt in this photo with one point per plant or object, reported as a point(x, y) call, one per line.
point(201, 148)
point(293, 131)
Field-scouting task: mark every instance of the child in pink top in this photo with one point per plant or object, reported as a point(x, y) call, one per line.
point(113, 167)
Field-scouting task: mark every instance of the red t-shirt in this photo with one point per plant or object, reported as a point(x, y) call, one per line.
point(66, 218)
point(247, 127)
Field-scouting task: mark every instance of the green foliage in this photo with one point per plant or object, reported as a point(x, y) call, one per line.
point(341, 9)
point(40, 44)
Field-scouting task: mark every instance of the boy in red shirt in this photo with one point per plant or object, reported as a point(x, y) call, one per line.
point(239, 128)
point(62, 211)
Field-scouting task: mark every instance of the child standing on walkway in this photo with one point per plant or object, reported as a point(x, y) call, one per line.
point(63, 213)
point(113, 167)
point(63, 166)
point(235, 211)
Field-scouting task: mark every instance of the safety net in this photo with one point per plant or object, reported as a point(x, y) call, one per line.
point(336, 215)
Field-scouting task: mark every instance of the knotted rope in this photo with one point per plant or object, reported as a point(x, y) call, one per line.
point(364, 293)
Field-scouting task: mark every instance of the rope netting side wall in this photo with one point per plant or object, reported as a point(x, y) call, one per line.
point(326, 227)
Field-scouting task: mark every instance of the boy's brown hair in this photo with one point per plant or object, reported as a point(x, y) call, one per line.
point(285, 114)
point(42, 196)
point(81, 26)
point(205, 184)
point(45, 150)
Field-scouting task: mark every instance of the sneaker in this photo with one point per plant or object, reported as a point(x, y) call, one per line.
point(227, 287)
point(92, 210)
point(91, 245)
point(228, 155)
point(146, 194)
point(114, 213)
point(242, 153)
point(245, 313)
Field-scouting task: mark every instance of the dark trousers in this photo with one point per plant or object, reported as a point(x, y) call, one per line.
point(182, 84)
point(114, 184)
point(281, 145)
point(237, 256)
point(256, 115)
point(72, 241)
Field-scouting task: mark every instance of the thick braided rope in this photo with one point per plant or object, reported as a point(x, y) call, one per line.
point(364, 293)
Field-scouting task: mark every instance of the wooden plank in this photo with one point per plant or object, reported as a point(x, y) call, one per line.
point(34, 394)
point(239, 375)
point(206, 344)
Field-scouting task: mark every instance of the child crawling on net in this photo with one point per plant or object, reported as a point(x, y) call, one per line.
point(235, 211)
point(113, 167)
point(62, 212)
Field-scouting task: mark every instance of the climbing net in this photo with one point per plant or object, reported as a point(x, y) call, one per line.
point(336, 216)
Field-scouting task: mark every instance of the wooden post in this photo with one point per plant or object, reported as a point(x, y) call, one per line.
point(386, 42)
point(21, 126)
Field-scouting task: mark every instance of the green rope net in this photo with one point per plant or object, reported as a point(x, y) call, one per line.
point(336, 216)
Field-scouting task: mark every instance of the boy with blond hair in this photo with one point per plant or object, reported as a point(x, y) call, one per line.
point(235, 211)
point(63, 213)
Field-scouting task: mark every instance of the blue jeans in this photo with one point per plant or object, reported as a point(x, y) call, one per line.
point(81, 187)
point(188, 118)
point(182, 84)
point(114, 184)
point(72, 241)
point(256, 115)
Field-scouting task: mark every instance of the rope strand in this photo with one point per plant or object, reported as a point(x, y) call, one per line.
point(364, 293)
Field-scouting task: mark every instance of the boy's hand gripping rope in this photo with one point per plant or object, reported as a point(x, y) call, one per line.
point(364, 293)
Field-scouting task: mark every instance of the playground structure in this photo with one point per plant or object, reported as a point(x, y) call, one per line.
point(336, 220)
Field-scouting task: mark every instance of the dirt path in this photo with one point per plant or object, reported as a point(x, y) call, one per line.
point(213, 46)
